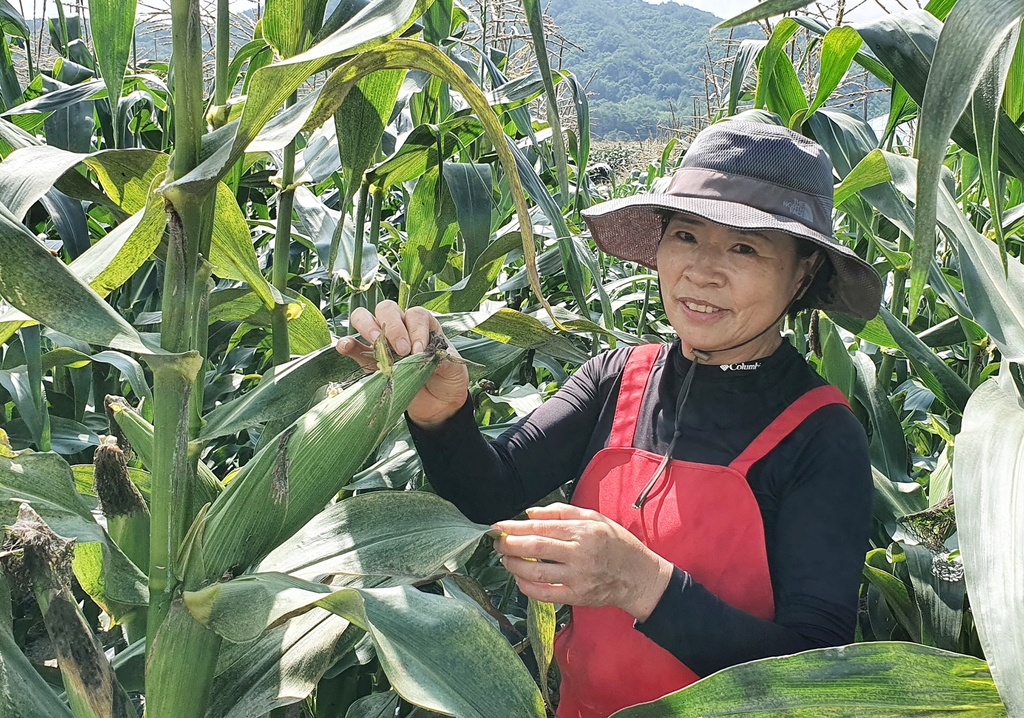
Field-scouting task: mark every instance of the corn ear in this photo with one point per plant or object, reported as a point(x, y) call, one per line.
point(293, 477)
point(139, 433)
point(92, 688)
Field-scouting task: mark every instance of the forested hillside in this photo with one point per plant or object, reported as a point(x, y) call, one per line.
point(641, 57)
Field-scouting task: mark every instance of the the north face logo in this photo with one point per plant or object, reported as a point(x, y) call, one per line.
point(799, 208)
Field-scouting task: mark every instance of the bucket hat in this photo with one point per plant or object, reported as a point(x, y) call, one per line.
point(747, 175)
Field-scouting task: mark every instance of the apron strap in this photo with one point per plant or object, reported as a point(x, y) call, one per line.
point(785, 423)
point(635, 375)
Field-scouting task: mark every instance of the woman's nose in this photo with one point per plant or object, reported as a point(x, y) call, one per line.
point(703, 268)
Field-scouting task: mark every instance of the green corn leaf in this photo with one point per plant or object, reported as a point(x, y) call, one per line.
point(992, 290)
point(432, 226)
point(470, 186)
point(231, 249)
point(359, 123)
point(125, 175)
point(289, 25)
point(835, 357)
point(985, 108)
point(970, 39)
point(291, 479)
point(412, 54)
point(420, 150)
point(43, 287)
point(888, 447)
point(535, 20)
point(987, 472)
point(1013, 97)
point(45, 481)
point(279, 668)
point(863, 679)
point(375, 705)
point(838, 49)
point(897, 598)
point(873, 331)
point(113, 31)
point(437, 652)
point(12, 21)
point(762, 11)
point(269, 86)
point(407, 535)
point(511, 327)
point(905, 43)
point(467, 294)
point(870, 171)
point(283, 392)
point(946, 384)
point(746, 59)
point(938, 595)
point(769, 56)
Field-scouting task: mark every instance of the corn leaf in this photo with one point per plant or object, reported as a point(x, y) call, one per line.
point(43, 287)
point(888, 447)
point(289, 25)
point(280, 667)
point(113, 32)
point(939, 596)
point(231, 249)
point(946, 384)
point(408, 535)
point(511, 327)
point(125, 175)
point(283, 391)
point(269, 86)
point(838, 49)
point(769, 56)
point(985, 109)
point(863, 679)
point(432, 227)
point(970, 39)
point(470, 186)
point(745, 60)
point(540, 627)
point(987, 474)
point(359, 123)
point(535, 20)
point(762, 11)
point(437, 652)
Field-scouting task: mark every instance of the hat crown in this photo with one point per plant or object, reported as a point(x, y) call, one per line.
point(765, 152)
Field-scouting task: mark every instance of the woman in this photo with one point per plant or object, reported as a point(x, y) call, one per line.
point(722, 499)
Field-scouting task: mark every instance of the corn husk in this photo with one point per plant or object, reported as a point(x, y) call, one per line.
point(297, 473)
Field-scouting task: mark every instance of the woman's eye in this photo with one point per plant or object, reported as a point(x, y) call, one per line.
point(685, 237)
point(745, 249)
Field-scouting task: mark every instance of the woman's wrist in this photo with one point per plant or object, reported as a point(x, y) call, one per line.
point(652, 586)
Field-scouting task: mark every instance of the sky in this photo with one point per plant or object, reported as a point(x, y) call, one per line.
point(865, 10)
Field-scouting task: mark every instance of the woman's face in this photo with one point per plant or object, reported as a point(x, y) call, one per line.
point(721, 286)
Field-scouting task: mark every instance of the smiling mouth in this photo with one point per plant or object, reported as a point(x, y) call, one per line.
point(701, 307)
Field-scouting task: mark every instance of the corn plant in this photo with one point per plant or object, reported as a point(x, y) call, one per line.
point(177, 262)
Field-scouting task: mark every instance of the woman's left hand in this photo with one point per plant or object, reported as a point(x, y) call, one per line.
point(585, 559)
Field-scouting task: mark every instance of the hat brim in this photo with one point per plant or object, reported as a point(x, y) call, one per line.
point(630, 228)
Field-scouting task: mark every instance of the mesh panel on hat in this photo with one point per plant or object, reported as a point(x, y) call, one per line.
point(766, 152)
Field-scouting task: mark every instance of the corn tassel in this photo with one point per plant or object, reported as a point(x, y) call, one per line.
point(297, 473)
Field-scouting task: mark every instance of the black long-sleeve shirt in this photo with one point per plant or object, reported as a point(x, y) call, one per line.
point(814, 490)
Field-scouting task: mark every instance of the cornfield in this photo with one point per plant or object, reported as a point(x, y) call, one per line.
point(208, 511)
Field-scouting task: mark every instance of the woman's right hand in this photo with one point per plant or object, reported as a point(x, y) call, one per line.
point(408, 333)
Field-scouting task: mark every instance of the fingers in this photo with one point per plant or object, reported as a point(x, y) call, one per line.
point(359, 352)
point(535, 547)
point(563, 512)
point(418, 323)
point(547, 592)
point(536, 571)
point(555, 529)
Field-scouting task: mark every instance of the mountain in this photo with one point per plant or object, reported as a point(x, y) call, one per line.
point(641, 58)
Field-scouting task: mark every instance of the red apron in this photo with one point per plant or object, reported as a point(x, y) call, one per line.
point(703, 518)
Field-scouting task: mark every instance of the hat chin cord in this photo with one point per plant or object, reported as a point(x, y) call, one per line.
point(704, 356)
